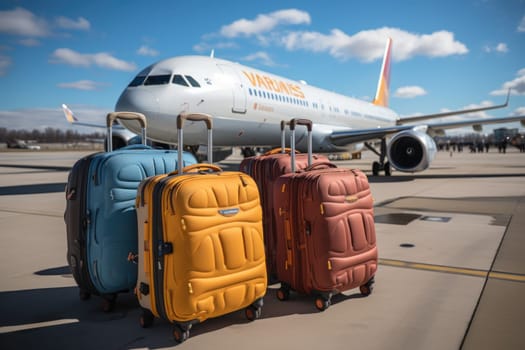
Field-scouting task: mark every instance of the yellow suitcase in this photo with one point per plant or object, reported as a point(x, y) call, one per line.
point(201, 251)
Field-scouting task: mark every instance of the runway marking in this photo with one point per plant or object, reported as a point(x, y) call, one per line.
point(22, 327)
point(40, 213)
point(453, 270)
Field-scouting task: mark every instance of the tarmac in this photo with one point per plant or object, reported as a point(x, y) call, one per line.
point(451, 274)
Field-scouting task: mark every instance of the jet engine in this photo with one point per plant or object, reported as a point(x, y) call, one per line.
point(411, 151)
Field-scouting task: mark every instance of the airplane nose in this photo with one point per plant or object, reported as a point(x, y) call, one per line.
point(138, 100)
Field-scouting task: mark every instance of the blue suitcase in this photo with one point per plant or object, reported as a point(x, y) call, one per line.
point(100, 215)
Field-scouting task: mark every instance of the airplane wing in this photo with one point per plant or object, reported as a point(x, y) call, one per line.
point(341, 138)
point(408, 120)
point(70, 117)
point(476, 123)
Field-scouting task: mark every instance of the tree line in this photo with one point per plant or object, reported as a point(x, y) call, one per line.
point(48, 135)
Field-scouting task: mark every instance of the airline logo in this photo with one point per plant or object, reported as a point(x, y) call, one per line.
point(274, 85)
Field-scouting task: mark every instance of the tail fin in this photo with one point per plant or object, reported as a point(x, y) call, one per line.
point(382, 92)
point(69, 114)
point(70, 117)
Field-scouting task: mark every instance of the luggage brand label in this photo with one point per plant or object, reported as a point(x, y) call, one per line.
point(229, 212)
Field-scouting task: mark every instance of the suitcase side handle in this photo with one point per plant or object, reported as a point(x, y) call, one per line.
point(111, 117)
point(320, 165)
point(278, 150)
point(207, 119)
point(202, 166)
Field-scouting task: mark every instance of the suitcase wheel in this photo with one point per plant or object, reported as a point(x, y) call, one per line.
point(146, 319)
point(108, 302)
point(283, 294)
point(322, 303)
point(252, 312)
point(180, 334)
point(84, 295)
point(367, 288)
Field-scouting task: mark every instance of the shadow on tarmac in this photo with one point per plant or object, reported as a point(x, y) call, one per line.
point(56, 318)
point(37, 167)
point(32, 189)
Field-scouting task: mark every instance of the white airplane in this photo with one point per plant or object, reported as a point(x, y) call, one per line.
point(248, 105)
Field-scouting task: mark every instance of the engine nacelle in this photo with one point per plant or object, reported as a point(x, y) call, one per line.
point(411, 151)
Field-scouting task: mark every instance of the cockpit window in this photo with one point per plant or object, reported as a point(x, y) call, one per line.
point(179, 80)
point(158, 79)
point(139, 79)
point(192, 81)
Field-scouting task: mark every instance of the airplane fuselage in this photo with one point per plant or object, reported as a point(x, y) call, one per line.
point(247, 105)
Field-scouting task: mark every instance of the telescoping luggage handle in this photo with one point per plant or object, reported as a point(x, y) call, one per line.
point(293, 123)
point(180, 124)
point(110, 119)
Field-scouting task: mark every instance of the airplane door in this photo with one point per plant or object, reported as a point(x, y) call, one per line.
point(239, 94)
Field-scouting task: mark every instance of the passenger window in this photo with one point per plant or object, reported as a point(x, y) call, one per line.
point(157, 80)
point(179, 80)
point(192, 81)
point(137, 81)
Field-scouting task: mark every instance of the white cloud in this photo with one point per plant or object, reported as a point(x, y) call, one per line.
point(262, 57)
point(501, 48)
point(23, 23)
point(369, 45)
point(80, 24)
point(29, 42)
point(410, 92)
point(86, 85)
point(517, 86)
point(101, 59)
point(147, 51)
point(519, 111)
point(521, 26)
point(265, 23)
point(5, 63)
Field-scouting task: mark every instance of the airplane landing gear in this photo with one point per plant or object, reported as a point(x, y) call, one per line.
point(380, 165)
point(377, 167)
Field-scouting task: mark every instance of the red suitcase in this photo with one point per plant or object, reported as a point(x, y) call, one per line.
point(265, 169)
point(326, 241)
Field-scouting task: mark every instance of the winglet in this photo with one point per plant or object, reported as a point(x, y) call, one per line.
point(70, 117)
point(382, 92)
point(69, 114)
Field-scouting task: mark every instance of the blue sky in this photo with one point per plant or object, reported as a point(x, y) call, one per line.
point(447, 54)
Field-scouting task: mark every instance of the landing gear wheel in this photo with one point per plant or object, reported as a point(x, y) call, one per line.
point(388, 169)
point(108, 303)
point(252, 313)
point(84, 295)
point(321, 303)
point(367, 288)
point(146, 319)
point(180, 334)
point(375, 168)
point(283, 294)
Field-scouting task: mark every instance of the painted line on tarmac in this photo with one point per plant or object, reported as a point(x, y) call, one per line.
point(23, 327)
point(453, 270)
